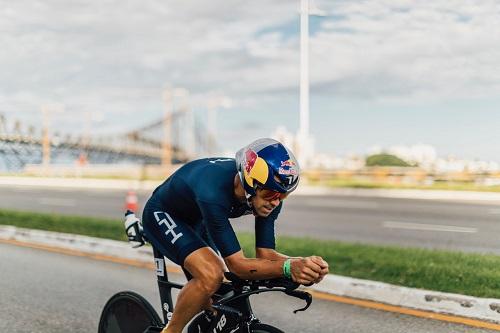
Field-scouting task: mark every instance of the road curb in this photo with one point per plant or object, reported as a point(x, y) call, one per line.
point(487, 309)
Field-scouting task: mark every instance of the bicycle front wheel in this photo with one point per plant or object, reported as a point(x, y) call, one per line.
point(263, 328)
point(128, 312)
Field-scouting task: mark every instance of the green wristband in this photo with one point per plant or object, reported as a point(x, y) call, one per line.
point(287, 271)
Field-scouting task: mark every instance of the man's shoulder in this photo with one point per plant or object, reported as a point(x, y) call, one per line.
point(211, 179)
point(209, 164)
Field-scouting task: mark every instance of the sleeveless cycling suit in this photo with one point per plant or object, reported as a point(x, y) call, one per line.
point(191, 210)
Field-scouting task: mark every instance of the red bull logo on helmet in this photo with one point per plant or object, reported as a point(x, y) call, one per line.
point(255, 168)
point(288, 163)
point(287, 172)
point(250, 159)
point(288, 168)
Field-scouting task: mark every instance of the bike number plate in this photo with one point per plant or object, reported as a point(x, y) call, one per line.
point(160, 267)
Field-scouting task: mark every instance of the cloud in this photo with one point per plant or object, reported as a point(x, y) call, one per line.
point(432, 50)
point(115, 57)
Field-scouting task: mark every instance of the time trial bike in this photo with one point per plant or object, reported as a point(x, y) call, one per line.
point(129, 312)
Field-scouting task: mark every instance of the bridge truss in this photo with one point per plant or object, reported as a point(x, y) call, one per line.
point(21, 145)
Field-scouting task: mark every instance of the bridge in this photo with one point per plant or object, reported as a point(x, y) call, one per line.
point(172, 139)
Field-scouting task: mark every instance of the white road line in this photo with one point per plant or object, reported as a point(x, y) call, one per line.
point(426, 227)
point(57, 202)
point(342, 203)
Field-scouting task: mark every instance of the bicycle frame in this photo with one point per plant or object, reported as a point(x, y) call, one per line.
point(231, 301)
point(164, 286)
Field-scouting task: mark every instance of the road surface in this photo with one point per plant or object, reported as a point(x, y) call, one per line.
point(49, 292)
point(373, 220)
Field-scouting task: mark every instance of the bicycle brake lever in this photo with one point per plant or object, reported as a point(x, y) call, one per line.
point(302, 295)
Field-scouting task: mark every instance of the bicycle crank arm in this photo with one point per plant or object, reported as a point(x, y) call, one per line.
point(153, 329)
point(302, 295)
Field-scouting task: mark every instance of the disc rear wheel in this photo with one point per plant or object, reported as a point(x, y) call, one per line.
point(128, 312)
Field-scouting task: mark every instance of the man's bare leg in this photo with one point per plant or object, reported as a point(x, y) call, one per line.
point(207, 270)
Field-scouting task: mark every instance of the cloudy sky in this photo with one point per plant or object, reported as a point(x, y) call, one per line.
point(383, 72)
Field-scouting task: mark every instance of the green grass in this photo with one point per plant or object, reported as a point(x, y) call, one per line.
point(456, 272)
point(450, 186)
point(95, 227)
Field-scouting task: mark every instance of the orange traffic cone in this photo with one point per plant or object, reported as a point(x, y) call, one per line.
point(131, 201)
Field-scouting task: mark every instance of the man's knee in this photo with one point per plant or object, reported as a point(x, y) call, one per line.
point(211, 279)
point(207, 268)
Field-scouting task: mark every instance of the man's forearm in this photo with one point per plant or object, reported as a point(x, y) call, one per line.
point(271, 254)
point(258, 268)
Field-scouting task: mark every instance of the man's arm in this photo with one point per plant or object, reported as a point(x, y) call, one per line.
point(254, 268)
point(271, 254)
point(304, 270)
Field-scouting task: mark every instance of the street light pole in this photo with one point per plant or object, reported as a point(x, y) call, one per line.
point(304, 143)
point(304, 69)
point(166, 158)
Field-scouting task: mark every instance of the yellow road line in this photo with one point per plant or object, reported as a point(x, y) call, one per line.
point(406, 311)
point(320, 295)
point(101, 257)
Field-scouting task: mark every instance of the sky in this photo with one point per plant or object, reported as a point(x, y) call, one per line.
point(382, 73)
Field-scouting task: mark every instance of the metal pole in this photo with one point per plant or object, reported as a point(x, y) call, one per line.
point(212, 123)
point(45, 137)
point(304, 69)
point(166, 159)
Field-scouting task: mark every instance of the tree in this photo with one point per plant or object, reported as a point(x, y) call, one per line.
point(386, 160)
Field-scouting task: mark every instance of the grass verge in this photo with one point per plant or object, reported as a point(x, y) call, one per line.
point(447, 186)
point(455, 272)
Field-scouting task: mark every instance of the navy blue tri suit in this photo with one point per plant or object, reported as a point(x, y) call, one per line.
point(192, 208)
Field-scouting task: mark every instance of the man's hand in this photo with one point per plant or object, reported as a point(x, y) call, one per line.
point(308, 270)
point(324, 267)
point(305, 270)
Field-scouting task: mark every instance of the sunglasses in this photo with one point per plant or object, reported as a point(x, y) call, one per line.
point(270, 195)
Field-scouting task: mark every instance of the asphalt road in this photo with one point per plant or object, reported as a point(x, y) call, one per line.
point(464, 226)
point(49, 292)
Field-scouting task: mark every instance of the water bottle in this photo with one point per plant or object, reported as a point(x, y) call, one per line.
point(133, 228)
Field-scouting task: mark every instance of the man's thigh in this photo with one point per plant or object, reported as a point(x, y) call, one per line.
point(174, 238)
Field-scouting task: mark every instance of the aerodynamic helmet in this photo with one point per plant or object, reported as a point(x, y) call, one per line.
point(268, 164)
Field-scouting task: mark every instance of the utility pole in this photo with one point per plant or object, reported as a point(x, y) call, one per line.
point(166, 158)
point(45, 137)
point(213, 105)
point(47, 112)
point(212, 127)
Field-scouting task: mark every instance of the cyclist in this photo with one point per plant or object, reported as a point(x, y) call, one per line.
point(187, 219)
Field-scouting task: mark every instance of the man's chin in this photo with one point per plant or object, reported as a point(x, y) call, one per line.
point(264, 212)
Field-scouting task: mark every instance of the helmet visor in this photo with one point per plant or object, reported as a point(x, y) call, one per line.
point(270, 195)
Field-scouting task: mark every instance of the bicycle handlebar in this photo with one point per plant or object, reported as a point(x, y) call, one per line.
point(270, 283)
point(290, 287)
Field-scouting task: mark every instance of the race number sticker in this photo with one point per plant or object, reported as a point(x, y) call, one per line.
point(160, 267)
